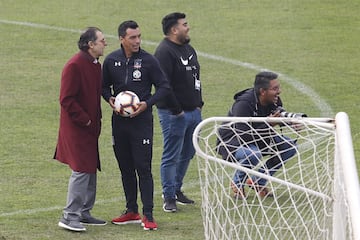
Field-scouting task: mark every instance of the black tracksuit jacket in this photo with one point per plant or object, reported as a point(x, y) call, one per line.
point(137, 74)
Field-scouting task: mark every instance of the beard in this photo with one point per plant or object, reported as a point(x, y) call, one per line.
point(184, 39)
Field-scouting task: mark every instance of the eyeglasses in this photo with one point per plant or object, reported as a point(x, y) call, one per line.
point(103, 41)
point(276, 89)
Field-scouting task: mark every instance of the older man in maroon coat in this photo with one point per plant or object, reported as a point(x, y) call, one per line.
point(80, 124)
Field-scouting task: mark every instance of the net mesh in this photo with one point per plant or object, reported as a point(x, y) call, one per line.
point(302, 202)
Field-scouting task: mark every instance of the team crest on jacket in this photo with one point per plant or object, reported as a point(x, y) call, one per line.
point(137, 72)
point(136, 75)
point(137, 63)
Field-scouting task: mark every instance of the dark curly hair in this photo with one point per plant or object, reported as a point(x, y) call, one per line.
point(88, 35)
point(262, 80)
point(171, 20)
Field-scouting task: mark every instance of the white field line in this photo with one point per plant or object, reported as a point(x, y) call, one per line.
point(30, 211)
point(323, 107)
point(49, 209)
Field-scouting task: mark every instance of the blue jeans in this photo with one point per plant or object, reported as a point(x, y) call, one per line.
point(178, 148)
point(250, 156)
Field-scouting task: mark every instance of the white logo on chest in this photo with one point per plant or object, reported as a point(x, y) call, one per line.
point(184, 61)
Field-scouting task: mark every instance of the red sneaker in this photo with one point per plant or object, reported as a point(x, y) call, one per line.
point(126, 218)
point(261, 190)
point(149, 224)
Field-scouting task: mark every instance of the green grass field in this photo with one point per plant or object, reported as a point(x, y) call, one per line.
point(312, 44)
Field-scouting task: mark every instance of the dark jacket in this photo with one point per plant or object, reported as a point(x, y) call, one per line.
point(182, 69)
point(80, 98)
point(246, 105)
point(137, 74)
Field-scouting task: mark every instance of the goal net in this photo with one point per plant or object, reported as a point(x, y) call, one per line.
point(314, 194)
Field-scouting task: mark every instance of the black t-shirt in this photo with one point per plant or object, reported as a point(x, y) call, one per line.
point(182, 69)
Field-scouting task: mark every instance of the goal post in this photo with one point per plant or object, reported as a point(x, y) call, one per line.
point(349, 173)
point(315, 193)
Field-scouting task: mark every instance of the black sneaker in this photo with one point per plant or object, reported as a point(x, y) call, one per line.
point(182, 199)
point(92, 221)
point(169, 205)
point(71, 225)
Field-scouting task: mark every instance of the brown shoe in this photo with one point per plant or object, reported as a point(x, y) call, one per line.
point(239, 192)
point(261, 190)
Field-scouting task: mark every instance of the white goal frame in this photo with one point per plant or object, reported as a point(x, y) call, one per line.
point(342, 199)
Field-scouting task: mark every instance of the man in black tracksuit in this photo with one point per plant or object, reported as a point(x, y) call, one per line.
point(131, 68)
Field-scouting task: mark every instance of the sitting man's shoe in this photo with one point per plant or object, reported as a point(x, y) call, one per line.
point(127, 217)
point(71, 225)
point(169, 205)
point(239, 192)
point(149, 223)
point(182, 199)
point(92, 221)
point(262, 191)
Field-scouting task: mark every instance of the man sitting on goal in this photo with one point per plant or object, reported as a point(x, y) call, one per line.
point(239, 143)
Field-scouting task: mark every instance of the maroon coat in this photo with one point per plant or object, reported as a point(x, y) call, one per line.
point(80, 94)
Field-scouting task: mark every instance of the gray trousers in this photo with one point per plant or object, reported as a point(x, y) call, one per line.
point(81, 195)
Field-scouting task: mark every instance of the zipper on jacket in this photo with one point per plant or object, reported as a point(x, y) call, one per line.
point(127, 71)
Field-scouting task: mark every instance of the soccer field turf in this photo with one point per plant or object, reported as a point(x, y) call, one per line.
point(312, 45)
